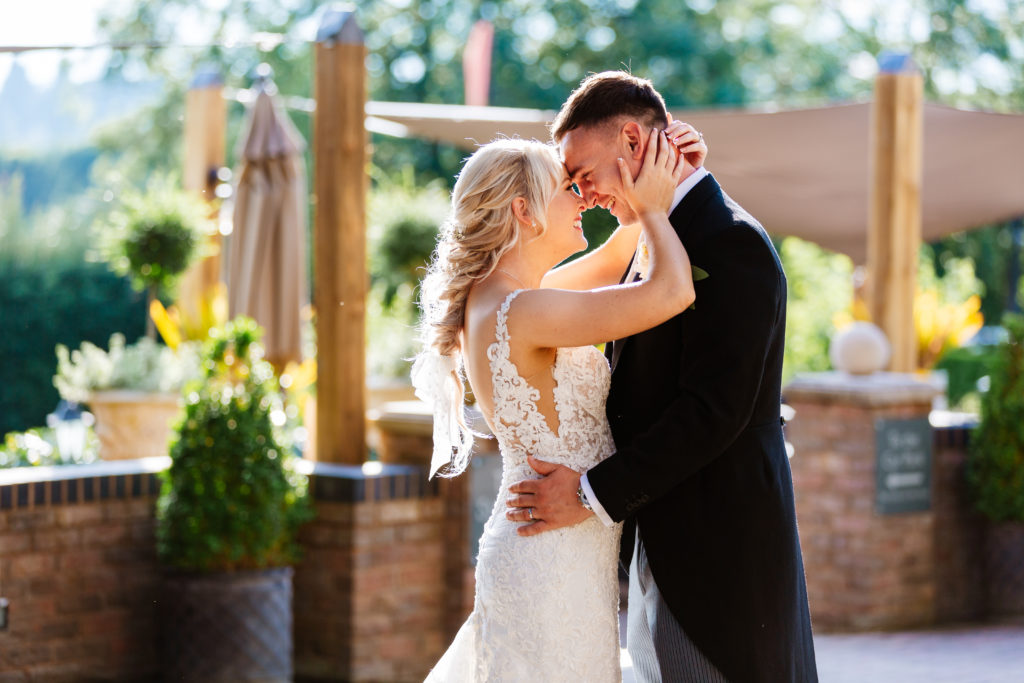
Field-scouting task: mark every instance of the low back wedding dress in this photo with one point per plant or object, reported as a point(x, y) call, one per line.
point(546, 606)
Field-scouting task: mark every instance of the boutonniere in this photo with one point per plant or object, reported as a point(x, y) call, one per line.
point(643, 264)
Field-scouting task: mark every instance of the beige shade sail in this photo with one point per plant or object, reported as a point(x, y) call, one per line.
point(266, 250)
point(800, 172)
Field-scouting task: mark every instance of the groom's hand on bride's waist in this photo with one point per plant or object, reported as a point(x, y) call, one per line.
point(550, 502)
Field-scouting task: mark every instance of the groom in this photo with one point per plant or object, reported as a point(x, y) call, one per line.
point(717, 588)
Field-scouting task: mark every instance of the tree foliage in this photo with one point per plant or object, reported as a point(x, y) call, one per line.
point(700, 54)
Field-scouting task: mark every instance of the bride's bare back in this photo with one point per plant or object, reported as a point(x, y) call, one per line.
point(534, 364)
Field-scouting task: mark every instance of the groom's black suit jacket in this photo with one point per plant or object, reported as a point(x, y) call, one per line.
point(701, 462)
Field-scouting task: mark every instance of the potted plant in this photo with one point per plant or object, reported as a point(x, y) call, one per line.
point(995, 471)
point(227, 519)
point(132, 390)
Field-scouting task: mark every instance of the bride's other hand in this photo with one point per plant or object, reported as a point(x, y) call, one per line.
point(688, 141)
point(655, 185)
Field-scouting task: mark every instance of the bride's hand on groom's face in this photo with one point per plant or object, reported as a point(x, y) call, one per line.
point(688, 141)
point(655, 184)
point(546, 503)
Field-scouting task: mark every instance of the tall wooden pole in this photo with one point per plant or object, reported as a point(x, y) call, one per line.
point(894, 229)
point(205, 149)
point(340, 286)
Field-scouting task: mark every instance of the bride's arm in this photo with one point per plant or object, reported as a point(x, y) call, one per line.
point(607, 264)
point(558, 317)
point(600, 268)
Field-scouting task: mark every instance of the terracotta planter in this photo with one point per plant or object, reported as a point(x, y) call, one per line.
point(1004, 566)
point(233, 626)
point(133, 424)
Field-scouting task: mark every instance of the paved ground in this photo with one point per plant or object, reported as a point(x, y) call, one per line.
point(970, 654)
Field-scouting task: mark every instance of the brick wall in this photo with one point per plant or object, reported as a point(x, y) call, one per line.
point(867, 570)
point(78, 564)
point(386, 578)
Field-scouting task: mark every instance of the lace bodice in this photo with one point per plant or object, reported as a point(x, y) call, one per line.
point(582, 378)
point(546, 606)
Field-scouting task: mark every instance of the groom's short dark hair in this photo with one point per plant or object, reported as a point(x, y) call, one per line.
point(608, 95)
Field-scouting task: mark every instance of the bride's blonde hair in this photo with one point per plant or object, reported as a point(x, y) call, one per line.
point(479, 231)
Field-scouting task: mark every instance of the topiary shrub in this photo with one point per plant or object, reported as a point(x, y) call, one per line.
point(231, 499)
point(995, 468)
point(153, 237)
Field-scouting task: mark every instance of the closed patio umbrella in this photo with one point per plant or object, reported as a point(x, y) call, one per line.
point(267, 252)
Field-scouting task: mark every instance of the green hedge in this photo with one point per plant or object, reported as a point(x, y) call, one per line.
point(965, 366)
point(995, 466)
point(48, 302)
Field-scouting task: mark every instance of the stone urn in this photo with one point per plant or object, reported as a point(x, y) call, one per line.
point(133, 424)
point(1004, 566)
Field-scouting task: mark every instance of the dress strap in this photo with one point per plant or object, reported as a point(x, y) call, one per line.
point(501, 327)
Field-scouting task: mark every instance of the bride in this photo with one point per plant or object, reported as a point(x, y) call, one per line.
point(546, 607)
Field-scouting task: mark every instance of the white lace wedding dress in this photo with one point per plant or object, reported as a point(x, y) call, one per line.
point(546, 606)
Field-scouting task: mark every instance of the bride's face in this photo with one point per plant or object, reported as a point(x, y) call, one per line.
point(564, 221)
point(590, 156)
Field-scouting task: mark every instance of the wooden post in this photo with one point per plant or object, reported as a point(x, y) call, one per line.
point(205, 149)
point(894, 229)
point(340, 285)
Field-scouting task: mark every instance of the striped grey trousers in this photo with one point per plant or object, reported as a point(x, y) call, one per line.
point(660, 650)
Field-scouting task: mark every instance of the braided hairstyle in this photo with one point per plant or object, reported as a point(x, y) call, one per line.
point(479, 231)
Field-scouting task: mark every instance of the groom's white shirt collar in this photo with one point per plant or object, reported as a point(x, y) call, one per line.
point(681, 189)
point(688, 184)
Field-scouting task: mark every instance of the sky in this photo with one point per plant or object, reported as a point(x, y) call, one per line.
point(52, 22)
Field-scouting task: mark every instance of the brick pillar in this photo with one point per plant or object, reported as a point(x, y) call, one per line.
point(402, 431)
point(862, 472)
point(369, 590)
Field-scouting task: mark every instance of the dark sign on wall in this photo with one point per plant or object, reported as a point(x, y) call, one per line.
point(903, 465)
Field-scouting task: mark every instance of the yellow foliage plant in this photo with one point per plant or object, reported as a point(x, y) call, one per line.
point(942, 326)
point(176, 326)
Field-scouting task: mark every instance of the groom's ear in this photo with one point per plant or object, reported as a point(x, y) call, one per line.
point(635, 139)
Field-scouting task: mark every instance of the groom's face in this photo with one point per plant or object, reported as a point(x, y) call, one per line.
point(590, 155)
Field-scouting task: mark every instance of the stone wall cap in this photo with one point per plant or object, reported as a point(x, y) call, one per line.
point(367, 470)
point(950, 419)
point(113, 468)
point(877, 389)
point(416, 417)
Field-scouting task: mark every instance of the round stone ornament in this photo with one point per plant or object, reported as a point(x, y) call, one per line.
point(860, 349)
